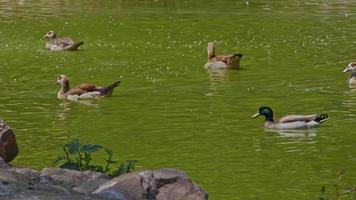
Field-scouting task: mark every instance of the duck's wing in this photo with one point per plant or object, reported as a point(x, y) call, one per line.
point(296, 118)
point(83, 88)
point(88, 87)
point(291, 125)
point(223, 58)
point(64, 42)
point(233, 62)
point(74, 46)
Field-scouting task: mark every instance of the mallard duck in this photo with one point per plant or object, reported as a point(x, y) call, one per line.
point(60, 44)
point(84, 90)
point(221, 61)
point(290, 121)
point(351, 81)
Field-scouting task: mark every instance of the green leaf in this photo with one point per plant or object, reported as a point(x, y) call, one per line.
point(90, 148)
point(58, 159)
point(111, 161)
point(69, 165)
point(108, 152)
point(73, 146)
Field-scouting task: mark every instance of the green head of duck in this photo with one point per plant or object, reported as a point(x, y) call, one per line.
point(265, 111)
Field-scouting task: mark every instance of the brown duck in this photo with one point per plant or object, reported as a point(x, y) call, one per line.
point(351, 81)
point(60, 44)
point(221, 61)
point(84, 90)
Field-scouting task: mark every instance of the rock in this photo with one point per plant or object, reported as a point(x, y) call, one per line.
point(18, 184)
point(124, 187)
point(92, 183)
point(161, 184)
point(182, 189)
point(27, 172)
point(8, 145)
point(83, 182)
point(3, 164)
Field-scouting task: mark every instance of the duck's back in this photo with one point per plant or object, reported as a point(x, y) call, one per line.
point(294, 118)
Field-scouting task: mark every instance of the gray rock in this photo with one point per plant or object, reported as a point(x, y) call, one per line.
point(161, 184)
point(83, 182)
point(3, 164)
point(127, 186)
point(182, 189)
point(30, 174)
point(8, 144)
point(91, 183)
point(17, 186)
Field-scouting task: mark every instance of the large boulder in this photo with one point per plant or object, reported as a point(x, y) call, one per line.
point(161, 184)
point(8, 145)
point(21, 184)
point(82, 182)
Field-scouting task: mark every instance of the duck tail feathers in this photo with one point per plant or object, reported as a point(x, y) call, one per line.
point(321, 118)
point(75, 46)
point(238, 55)
point(106, 91)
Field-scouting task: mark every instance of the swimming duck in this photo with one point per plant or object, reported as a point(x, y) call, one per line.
point(221, 61)
point(290, 121)
point(60, 44)
point(84, 90)
point(351, 81)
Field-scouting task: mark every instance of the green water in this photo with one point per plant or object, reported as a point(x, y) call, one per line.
point(169, 111)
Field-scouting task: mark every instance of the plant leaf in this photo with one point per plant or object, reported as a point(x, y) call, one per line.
point(90, 148)
point(73, 146)
point(69, 165)
point(58, 159)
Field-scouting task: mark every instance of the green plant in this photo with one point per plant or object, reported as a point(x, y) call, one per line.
point(347, 193)
point(79, 157)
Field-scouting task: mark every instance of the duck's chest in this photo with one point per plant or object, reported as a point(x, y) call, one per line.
point(215, 65)
point(61, 95)
point(352, 81)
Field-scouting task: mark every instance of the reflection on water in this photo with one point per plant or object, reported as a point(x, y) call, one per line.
point(217, 78)
point(294, 133)
point(349, 102)
point(65, 107)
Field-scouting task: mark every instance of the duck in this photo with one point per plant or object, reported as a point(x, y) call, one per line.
point(290, 121)
point(84, 90)
point(60, 44)
point(221, 61)
point(351, 81)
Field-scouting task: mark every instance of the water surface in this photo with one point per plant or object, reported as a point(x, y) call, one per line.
point(169, 111)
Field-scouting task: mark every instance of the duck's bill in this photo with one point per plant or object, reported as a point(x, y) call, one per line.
point(255, 115)
point(346, 69)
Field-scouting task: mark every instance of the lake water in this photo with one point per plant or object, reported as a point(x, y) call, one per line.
point(169, 111)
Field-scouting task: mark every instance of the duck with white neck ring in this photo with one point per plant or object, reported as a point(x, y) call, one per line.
point(351, 81)
point(84, 90)
point(290, 121)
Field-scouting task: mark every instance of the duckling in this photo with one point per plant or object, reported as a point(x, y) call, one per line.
point(221, 61)
point(60, 44)
point(351, 81)
point(290, 121)
point(84, 90)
